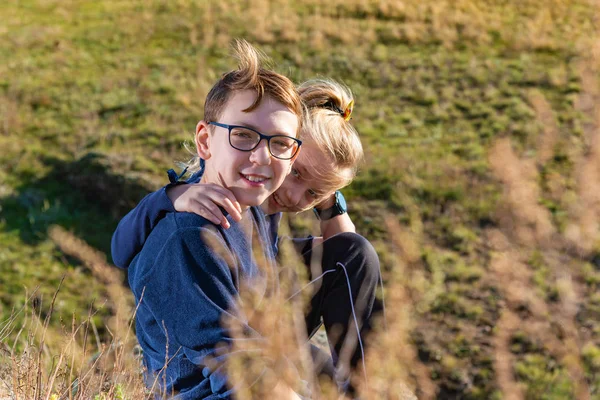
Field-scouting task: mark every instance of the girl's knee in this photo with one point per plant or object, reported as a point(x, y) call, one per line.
point(357, 250)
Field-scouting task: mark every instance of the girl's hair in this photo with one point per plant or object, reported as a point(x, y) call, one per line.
point(250, 75)
point(327, 127)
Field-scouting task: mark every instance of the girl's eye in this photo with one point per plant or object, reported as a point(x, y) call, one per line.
point(295, 172)
point(312, 193)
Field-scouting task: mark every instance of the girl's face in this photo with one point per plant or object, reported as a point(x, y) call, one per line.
point(303, 187)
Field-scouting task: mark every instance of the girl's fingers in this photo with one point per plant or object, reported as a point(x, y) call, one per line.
point(219, 195)
point(199, 209)
point(231, 209)
point(234, 201)
point(228, 195)
point(217, 216)
point(205, 201)
point(221, 199)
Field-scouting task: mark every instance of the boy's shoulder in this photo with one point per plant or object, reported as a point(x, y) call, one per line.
point(176, 222)
point(176, 225)
point(184, 220)
point(177, 234)
point(186, 227)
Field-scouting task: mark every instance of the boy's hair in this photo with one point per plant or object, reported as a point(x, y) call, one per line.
point(250, 75)
point(327, 128)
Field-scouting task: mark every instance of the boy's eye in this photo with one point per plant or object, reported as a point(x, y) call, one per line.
point(282, 143)
point(242, 134)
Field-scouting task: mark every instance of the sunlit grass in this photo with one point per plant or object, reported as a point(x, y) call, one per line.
point(479, 119)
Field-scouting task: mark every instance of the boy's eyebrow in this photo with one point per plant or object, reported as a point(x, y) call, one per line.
point(248, 125)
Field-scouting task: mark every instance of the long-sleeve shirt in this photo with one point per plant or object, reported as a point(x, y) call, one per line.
point(134, 228)
point(186, 278)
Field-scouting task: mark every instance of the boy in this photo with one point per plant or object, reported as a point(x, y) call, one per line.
point(184, 285)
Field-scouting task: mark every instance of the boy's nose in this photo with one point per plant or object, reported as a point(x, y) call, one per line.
point(261, 155)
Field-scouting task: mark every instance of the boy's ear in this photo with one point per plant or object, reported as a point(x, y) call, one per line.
point(202, 139)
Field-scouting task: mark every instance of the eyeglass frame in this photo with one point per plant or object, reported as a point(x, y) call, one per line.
point(260, 135)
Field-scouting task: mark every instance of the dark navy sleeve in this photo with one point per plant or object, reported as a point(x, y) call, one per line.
point(134, 228)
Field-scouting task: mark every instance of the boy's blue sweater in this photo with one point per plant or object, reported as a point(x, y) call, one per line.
point(184, 286)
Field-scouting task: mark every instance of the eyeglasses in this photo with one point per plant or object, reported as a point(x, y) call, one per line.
point(247, 139)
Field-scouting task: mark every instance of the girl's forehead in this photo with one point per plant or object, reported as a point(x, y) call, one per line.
point(308, 161)
point(313, 166)
point(311, 155)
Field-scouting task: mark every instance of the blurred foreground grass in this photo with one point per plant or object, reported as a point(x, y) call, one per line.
point(481, 125)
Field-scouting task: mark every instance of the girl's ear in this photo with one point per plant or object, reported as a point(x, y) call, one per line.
point(202, 139)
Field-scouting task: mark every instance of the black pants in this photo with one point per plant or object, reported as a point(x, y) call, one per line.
point(345, 271)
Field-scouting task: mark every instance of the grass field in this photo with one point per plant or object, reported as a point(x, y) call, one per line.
point(480, 188)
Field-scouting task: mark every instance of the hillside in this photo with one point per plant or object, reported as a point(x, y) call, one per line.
point(480, 188)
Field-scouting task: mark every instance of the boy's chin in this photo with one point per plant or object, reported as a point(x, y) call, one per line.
point(250, 201)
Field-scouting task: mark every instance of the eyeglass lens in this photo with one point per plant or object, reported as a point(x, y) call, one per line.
point(246, 139)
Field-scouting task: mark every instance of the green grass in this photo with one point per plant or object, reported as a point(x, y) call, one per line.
point(96, 98)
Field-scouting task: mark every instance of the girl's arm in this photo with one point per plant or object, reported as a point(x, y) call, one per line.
point(338, 224)
point(335, 225)
point(204, 200)
point(134, 228)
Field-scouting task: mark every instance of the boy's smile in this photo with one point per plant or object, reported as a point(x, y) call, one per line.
point(255, 180)
point(251, 175)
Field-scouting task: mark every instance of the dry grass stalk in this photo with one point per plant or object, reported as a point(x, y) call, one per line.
point(582, 233)
point(569, 301)
point(275, 352)
point(514, 276)
point(391, 359)
point(504, 359)
point(37, 372)
point(118, 295)
point(549, 137)
point(520, 212)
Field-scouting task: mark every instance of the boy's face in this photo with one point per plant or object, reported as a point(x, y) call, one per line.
point(251, 175)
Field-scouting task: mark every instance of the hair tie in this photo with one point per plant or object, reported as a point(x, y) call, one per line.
point(330, 105)
point(348, 111)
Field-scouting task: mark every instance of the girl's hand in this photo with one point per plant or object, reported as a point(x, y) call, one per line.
point(204, 200)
